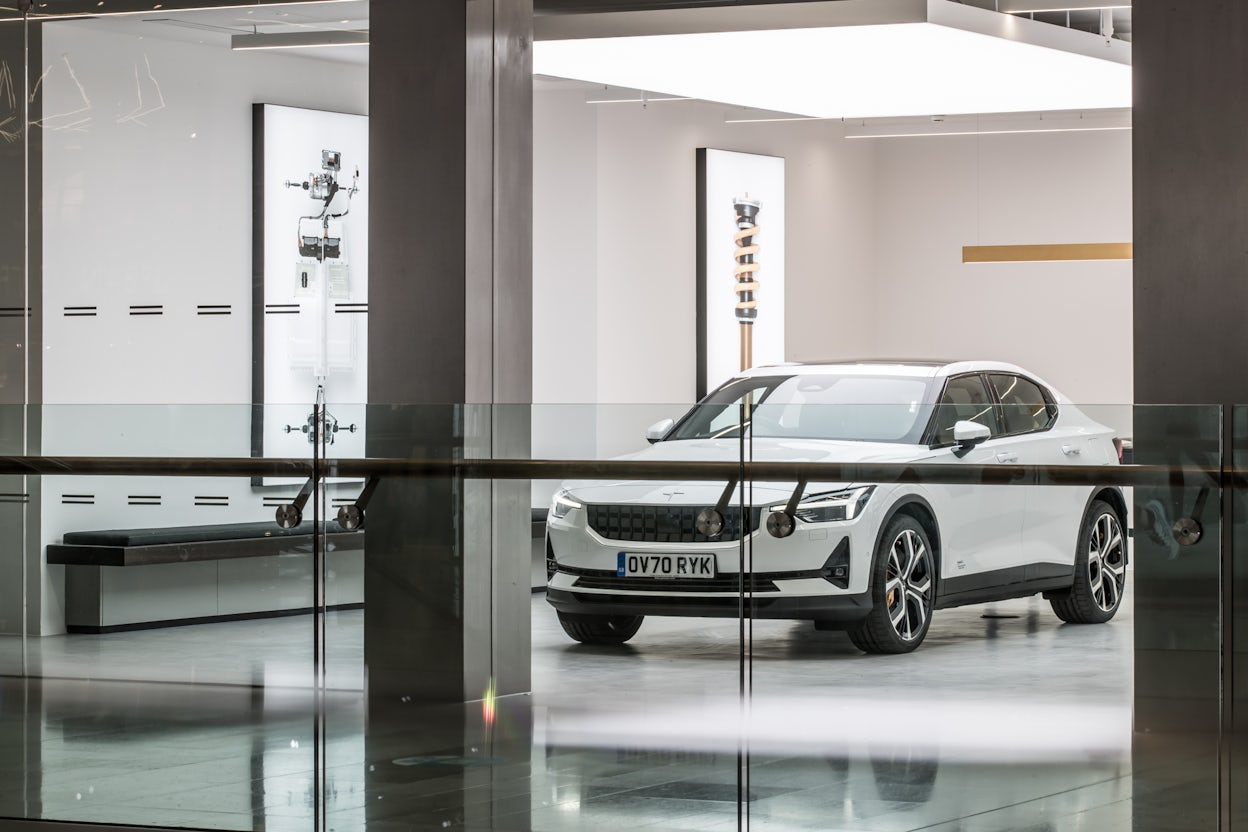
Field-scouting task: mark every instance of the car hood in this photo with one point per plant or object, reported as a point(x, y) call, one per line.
point(677, 492)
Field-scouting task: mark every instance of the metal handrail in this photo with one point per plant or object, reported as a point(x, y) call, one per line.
point(617, 469)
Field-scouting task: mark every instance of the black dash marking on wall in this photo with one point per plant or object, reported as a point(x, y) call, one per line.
point(80, 311)
point(144, 500)
point(15, 498)
point(14, 312)
point(78, 499)
point(274, 502)
point(281, 309)
point(149, 309)
point(348, 308)
point(213, 309)
point(222, 502)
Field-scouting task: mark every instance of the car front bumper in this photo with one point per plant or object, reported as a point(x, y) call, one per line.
point(828, 608)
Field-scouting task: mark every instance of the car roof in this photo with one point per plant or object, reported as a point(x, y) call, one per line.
point(877, 366)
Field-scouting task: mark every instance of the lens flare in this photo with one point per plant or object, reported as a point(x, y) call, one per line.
point(488, 704)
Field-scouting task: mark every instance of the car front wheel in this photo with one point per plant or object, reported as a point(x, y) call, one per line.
point(903, 586)
point(600, 629)
point(1100, 570)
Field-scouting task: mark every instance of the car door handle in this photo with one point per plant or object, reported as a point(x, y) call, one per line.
point(1071, 450)
point(1007, 456)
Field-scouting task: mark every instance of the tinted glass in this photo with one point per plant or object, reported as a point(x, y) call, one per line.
point(848, 407)
point(1022, 403)
point(965, 400)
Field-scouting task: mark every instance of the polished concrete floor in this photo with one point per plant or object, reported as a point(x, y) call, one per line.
point(1005, 719)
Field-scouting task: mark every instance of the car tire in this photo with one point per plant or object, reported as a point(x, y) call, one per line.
point(600, 629)
point(1100, 569)
point(903, 589)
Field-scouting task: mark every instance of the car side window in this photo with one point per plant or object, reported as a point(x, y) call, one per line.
point(1025, 407)
point(965, 400)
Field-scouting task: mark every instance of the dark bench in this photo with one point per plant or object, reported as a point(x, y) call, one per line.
point(229, 571)
point(182, 544)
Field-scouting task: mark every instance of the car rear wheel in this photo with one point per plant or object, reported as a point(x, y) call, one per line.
point(1100, 570)
point(600, 629)
point(903, 585)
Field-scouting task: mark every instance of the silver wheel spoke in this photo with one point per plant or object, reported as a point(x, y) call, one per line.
point(911, 555)
point(920, 607)
point(1106, 564)
point(908, 584)
point(898, 614)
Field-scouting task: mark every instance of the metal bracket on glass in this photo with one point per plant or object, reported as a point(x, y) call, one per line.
point(710, 521)
point(1188, 531)
point(781, 524)
point(351, 517)
point(291, 515)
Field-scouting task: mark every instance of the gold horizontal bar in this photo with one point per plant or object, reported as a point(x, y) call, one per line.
point(1066, 251)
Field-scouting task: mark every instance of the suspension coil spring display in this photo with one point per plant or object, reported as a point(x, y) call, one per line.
point(746, 274)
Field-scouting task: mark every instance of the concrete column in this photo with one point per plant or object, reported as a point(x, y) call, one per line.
point(1190, 299)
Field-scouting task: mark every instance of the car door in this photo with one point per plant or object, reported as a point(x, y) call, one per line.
point(980, 525)
point(1052, 513)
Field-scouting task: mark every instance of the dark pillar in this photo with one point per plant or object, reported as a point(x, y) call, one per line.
point(21, 368)
point(450, 374)
point(446, 584)
point(1191, 311)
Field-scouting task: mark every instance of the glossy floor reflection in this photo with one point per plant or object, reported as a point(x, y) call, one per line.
point(1008, 722)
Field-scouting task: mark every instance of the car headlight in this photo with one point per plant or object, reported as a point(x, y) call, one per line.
point(834, 505)
point(562, 504)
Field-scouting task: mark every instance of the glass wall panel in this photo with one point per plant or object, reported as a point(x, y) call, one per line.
point(169, 676)
point(1015, 707)
point(1178, 597)
point(1236, 683)
point(171, 673)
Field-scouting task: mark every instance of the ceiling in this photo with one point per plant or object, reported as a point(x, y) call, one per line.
point(217, 26)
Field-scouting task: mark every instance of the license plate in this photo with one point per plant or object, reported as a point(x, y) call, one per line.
point(631, 565)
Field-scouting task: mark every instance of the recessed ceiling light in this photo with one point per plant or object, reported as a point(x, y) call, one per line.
point(962, 60)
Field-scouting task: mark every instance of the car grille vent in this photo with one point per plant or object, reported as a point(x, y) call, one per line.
point(722, 583)
point(663, 524)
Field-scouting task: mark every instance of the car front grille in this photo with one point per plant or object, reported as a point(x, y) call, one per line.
point(724, 582)
point(663, 524)
point(720, 583)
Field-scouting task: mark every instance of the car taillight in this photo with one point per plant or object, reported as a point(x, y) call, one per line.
point(1118, 448)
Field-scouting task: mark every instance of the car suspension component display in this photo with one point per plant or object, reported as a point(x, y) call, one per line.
point(746, 273)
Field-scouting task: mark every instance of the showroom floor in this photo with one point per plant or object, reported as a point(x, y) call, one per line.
point(1004, 720)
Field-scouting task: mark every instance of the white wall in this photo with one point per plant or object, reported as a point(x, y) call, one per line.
point(1068, 322)
point(615, 262)
point(873, 248)
point(646, 255)
point(157, 210)
point(154, 210)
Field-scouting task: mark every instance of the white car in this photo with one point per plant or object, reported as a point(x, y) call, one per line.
point(872, 559)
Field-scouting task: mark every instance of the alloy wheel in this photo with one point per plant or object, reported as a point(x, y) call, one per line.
point(908, 585)
point(1107, 562)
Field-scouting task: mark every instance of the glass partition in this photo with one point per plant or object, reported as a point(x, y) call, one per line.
point(981, 683)
point(1179, 686)
point(1236, 685)
point(404, 667)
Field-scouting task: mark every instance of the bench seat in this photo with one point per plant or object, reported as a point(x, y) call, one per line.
point(182, 544)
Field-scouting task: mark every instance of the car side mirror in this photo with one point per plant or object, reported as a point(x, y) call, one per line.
point(970, 434)
point(658, 430)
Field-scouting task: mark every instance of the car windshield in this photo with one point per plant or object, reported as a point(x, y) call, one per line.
point(854, 407)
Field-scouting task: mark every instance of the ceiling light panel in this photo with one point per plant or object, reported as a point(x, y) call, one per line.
point(867, 71)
